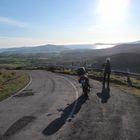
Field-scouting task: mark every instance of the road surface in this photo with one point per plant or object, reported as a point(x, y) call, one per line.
point(52, 107)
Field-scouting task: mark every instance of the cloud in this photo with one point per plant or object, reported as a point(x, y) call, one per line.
point(11, 21)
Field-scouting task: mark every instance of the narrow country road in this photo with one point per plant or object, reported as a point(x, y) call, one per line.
point(52, 107)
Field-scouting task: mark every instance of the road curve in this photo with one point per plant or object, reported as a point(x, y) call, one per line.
point(52, 108)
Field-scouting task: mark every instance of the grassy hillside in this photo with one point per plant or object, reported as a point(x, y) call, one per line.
point(123, 57)
point(11, 82)
point(37, 49)
point(123, 61)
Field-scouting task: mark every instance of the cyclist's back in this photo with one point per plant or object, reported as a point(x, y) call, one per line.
point(83, 75)
point(81, 71)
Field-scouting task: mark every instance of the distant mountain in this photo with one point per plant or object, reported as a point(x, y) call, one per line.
point(122, 61)
point(122, 48)
point(48, 48)
point(81, 46)
point(38, 49)
point(122, 56)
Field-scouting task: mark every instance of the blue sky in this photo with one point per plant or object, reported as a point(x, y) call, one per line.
point(35, 22)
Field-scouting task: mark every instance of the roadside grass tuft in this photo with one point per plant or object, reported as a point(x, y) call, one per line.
point(11, 81)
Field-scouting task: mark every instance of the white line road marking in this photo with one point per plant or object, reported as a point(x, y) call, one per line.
point(75, 104)
point(30, 77)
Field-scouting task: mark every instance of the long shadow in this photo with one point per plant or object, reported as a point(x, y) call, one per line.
point(104, 95)
point(54, 126)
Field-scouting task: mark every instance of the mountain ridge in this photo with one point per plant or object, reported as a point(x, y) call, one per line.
point(49, 48)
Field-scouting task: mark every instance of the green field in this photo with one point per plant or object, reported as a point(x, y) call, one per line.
point(11, 81)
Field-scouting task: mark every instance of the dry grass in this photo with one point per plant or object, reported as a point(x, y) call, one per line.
point(130, 90)
point(119, 80)
point(11, 82)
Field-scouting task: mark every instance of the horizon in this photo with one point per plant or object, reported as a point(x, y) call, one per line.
point(98, 45)
point(33, 23)
point(52, 45)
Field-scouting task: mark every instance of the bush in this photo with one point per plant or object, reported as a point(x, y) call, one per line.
point(12, 73)
point(52, 69)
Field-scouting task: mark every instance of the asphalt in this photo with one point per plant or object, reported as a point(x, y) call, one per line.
point(52, 107)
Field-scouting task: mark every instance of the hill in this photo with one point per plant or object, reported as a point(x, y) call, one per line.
point(122, 48)
point(122, 61)
point(122, 56)
point(126, 48)
point(37, 49)
point(83, 49)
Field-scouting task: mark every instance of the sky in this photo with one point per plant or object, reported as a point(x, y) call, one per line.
point(37, 22)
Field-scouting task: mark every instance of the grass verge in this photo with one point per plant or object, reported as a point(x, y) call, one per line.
point(12, 81)
point(130, 90)
point(119, 80)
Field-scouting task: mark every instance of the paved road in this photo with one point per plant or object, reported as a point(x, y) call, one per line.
point(52, 108)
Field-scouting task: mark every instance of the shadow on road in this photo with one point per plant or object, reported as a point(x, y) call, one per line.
point(54, 126)
point(104, 95)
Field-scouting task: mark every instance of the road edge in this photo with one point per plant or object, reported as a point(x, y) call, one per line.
point(30, 81)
